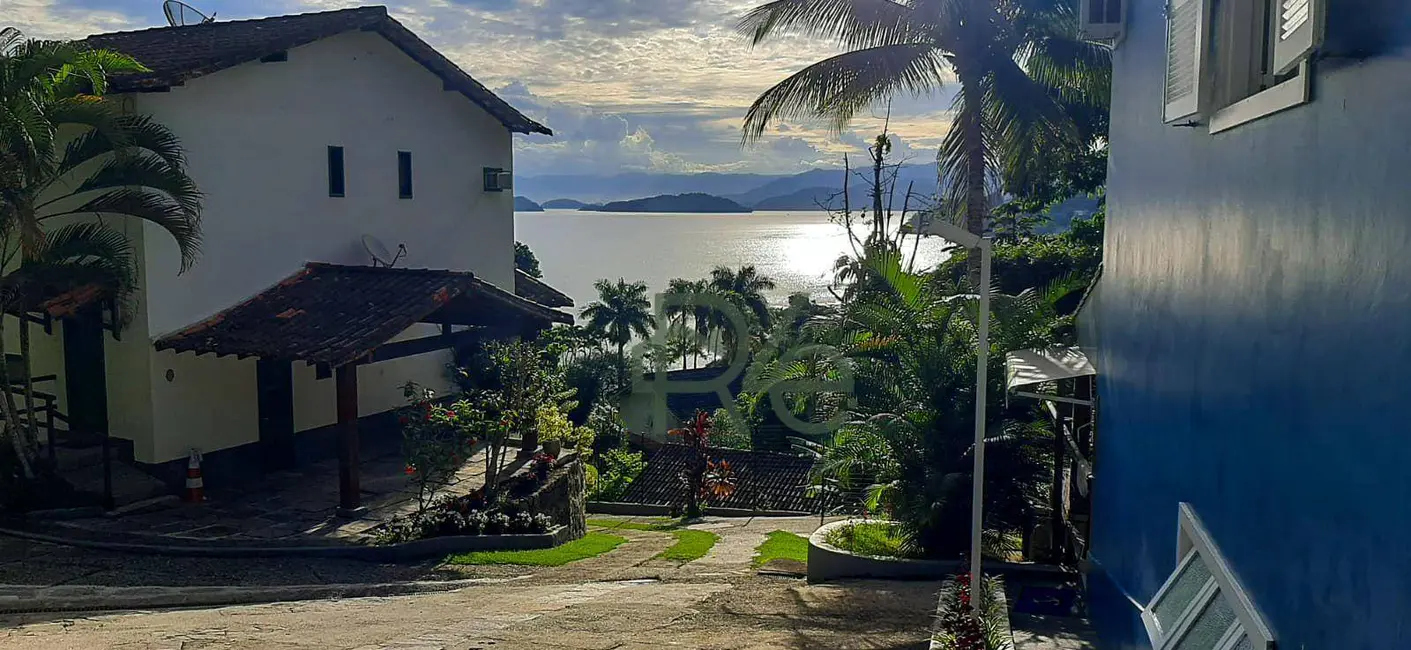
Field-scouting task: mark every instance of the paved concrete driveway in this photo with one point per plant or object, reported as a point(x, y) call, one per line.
point(622, 600)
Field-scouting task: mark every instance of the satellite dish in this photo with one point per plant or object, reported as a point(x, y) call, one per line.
point(180, 14)
point(380, 255)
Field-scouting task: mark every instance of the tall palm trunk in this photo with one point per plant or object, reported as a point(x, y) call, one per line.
point(976, 210)
point(622, 365)
point(12, 417)
point(877, 159)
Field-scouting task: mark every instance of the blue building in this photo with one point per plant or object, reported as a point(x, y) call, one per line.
point(1252, 327)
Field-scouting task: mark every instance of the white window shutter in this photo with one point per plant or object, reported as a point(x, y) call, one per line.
point(1101, 20)
point(1186, 22)
point(1300, 31)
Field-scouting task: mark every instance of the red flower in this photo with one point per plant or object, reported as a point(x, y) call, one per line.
point(410, 470)
point(450, 414)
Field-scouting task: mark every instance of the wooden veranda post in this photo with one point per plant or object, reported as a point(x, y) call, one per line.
point(349, 490)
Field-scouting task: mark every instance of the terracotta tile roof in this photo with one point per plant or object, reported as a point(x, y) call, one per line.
point(334, 314)
point(764, 480)
point(533, 288)
point(176, 54)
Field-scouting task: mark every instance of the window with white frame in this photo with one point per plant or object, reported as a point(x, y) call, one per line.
point(1229, 62)
point(1202, 606)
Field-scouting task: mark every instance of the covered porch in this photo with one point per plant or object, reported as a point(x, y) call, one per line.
point(338, 318)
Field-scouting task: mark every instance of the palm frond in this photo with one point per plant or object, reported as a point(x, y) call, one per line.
point(852, 23)
point(154, 207)
point(839, 87)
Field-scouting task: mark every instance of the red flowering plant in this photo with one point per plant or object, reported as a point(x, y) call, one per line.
point(968, 622)
point(437, 439)
point(543, 464)
point(703, 479)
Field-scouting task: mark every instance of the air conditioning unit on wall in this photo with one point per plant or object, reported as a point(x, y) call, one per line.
point(1102, 20)
point(498, 180)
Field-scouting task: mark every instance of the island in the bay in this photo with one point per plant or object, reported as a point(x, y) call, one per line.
point(563, 204)
point(523, 204)
point(693, 202)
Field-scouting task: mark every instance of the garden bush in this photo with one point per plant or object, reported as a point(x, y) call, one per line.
point(617, 469)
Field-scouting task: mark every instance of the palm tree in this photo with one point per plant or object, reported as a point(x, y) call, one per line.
point(1018, 62)
point(67, 154)
point(621, 310)
point(689, 320)
point(746, 287)
point(912, 341)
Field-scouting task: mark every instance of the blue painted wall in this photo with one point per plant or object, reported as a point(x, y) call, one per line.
point(1253, 335)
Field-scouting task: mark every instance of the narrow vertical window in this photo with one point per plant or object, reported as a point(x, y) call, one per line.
point(404, 174)
point(335, 171)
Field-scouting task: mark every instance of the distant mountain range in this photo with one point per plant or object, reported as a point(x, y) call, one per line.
point(783, 192)
point(692, 202)
point(807, 191)
point(809, 198)
point(563, 204)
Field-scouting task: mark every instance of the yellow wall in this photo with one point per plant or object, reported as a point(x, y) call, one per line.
point(379, 384)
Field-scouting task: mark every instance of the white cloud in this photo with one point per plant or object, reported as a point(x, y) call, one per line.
point(657, 85)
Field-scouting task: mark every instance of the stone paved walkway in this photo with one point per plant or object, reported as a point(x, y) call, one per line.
point(1033, 632)
point(624, 600)
point(292, 506)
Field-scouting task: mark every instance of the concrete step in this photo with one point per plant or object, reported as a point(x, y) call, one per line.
point(130, 484)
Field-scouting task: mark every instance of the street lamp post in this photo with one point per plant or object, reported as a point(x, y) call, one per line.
point(923, 226)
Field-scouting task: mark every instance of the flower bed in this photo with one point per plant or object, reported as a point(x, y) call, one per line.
point(828, 562)
point(516, 509)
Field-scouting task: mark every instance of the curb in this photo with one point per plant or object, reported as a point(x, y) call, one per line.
point(99, 599)
point(435, 547)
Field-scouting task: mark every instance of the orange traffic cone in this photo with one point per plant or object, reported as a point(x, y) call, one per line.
point(195, 486)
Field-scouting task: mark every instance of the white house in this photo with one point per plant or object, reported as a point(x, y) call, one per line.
point(315, 138)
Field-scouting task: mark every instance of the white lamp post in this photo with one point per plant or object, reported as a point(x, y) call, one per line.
point(971, 240)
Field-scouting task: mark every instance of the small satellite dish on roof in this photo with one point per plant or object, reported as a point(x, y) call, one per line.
point(180, 14)
point(380, 255)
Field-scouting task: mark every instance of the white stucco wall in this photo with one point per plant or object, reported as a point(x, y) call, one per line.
point(256, 137)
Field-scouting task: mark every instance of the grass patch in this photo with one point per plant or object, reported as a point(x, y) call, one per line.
point(872, 538)
point(781, 544)
point(590, 545)
point(653, 524)
point(690, 545)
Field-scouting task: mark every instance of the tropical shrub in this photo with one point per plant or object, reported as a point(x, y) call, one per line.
point(599, 379)
point(617, 469)
point(553, 424)
point(907, 445)
point(436, 439)
point(703, 479)
point(726, 433)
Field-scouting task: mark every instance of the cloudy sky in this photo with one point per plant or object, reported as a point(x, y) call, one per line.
point(626, 85)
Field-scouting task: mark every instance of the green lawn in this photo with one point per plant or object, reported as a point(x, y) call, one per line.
point(781, 544)
point(690, 545)
point(590, 545)
point(872, 538)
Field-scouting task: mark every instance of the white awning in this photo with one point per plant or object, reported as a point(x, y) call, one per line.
point(1029, 367)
